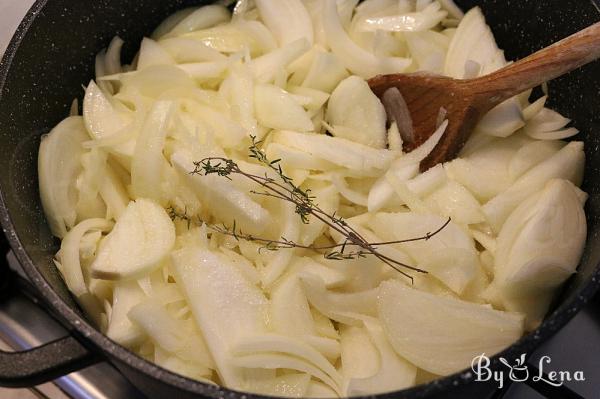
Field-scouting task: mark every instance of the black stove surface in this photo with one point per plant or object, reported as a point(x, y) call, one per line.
point(574, 348)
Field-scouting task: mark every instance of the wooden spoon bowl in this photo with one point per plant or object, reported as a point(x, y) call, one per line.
point(465, 102)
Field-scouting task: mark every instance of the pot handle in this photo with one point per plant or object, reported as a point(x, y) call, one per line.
point(43, 363)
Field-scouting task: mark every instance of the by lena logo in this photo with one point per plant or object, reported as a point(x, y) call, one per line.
point(520, 372)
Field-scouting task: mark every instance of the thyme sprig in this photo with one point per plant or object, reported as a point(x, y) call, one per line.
point(282, 187)
point(174, 214)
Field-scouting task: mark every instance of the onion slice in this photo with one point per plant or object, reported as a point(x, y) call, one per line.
point(397, 111)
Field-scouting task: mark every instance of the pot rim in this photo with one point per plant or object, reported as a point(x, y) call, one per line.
point(89, 334)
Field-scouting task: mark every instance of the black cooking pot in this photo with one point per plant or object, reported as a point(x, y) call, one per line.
point(52, 55)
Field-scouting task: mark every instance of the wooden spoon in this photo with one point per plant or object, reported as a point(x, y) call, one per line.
point(467, 101)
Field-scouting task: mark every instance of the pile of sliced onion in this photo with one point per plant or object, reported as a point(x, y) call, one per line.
point(140, 256)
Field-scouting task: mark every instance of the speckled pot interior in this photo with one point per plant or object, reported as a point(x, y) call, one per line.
point(52, 55)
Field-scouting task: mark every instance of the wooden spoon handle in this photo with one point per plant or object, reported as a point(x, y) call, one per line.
point(547, 64)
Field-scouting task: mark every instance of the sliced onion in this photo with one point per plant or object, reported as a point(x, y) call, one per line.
point(69, 253)
point(148, 160)
point(356, 59)
point(398, 112)
point(200, 18)
point(287, 19)
point(58, 167)
point(410, 22)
